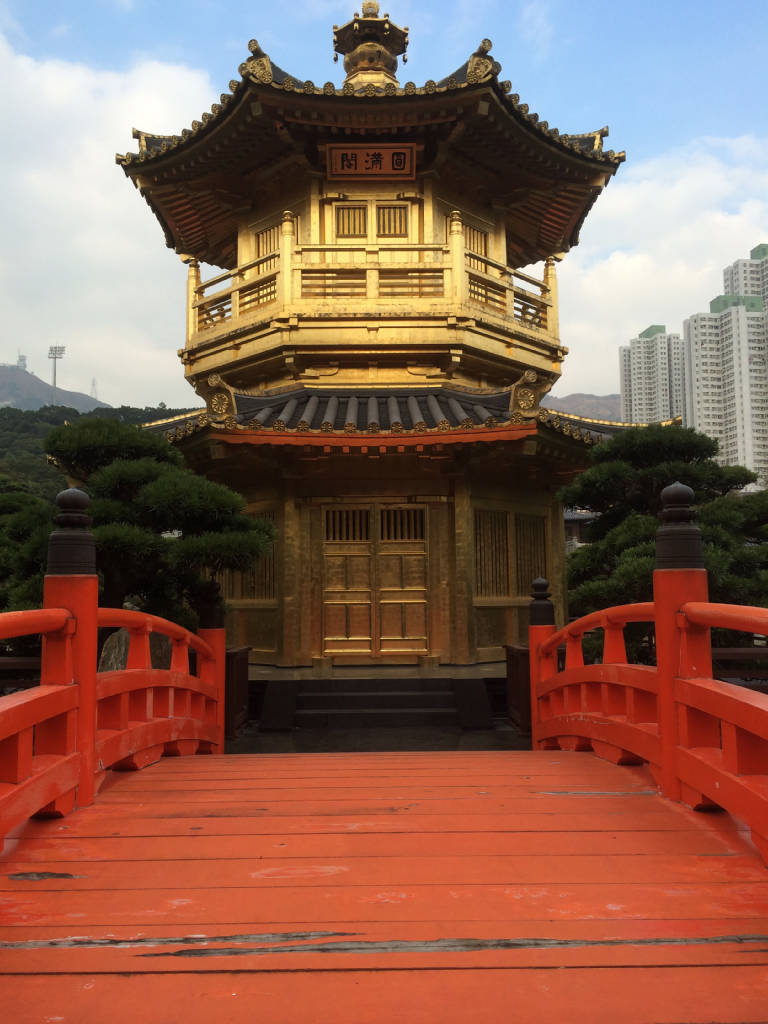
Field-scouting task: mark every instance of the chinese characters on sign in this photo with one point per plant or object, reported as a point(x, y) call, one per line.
point(385, 161)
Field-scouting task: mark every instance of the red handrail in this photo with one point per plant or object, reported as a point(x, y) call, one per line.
point(57, 739)
point(29, 623)
point(726, 616)
point(122, 618)
point(705, 741)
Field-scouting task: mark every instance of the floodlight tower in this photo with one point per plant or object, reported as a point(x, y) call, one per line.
point(55, 352)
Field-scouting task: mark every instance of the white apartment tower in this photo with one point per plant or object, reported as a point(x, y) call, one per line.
point(726, 363)
point(652, 376)
point(749, 277)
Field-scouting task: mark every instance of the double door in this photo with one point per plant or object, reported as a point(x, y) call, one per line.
point(375, 581)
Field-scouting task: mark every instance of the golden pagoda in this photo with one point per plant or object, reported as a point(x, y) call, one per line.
point(371, 352)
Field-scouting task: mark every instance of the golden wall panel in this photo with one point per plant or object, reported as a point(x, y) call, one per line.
point(261, 629)
point(491, 626)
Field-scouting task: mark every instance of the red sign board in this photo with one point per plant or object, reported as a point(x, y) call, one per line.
point(375, 161)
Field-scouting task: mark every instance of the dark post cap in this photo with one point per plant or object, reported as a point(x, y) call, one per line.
point(678, 539)
point(541, 609)
point(71, 547)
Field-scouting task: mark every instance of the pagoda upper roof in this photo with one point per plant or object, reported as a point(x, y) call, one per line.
point(266, 134)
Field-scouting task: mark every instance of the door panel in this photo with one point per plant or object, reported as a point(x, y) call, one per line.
point(375, 586)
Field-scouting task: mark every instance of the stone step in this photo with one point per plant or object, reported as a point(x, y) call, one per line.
point(374, 685)
point(376, 718)
point(347, 700)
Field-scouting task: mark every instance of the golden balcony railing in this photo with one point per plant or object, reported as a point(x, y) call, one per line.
point(413, 278)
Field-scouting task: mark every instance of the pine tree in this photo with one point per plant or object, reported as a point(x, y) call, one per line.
point(623, 487)
point(162, 532)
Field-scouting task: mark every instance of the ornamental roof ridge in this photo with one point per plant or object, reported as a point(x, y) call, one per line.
point(258, 71)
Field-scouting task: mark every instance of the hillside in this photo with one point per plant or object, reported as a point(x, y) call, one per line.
point(597, 407)
point(22, 390)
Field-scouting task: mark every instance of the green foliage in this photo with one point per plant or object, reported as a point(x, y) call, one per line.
point(623, 486)
point(88, 444)
point(629, 472)
point(25, 523)
point(23, 463)
point(161, 531)
point(23, 460)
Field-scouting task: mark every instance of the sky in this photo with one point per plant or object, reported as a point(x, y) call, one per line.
point(83, 262)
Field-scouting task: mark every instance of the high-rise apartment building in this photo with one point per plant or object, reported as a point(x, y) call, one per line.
point(727, 378)
point(749, 277)
point(716, 377)
point(652, 376)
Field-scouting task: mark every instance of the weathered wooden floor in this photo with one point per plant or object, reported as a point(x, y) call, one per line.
point(403, 887)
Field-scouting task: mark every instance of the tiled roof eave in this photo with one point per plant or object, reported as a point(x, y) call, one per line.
point(386, 441)
point(154, 148)
point(389, 440)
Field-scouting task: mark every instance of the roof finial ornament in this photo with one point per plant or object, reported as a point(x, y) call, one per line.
point(370, 46)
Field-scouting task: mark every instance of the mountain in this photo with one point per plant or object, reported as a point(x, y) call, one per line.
point(592, 407)
point(22, 390)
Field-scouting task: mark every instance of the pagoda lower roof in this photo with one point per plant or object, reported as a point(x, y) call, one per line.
point(362, 416)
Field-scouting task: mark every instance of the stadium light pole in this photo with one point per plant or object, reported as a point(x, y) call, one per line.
point(55, 352)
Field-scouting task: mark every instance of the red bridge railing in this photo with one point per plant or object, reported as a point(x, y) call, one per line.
point(58, 739)
point(706, 741)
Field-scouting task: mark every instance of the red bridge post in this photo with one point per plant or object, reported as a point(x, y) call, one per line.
point(211, 630)
point(71, 582)
point(540, 628)
point(679, 577)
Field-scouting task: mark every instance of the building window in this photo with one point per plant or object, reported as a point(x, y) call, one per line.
point(531, 549)
point(256, 584)
point(347, 524)
point(392, 221)
point(491, 553)
point(351, 221)
point(402, 524)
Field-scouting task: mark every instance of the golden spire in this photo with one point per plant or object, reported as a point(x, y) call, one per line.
point(370, 46)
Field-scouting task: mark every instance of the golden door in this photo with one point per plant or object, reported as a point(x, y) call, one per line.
point(375, 581)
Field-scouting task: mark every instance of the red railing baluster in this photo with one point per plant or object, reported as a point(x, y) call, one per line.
point(705, 741)
point(56, 740)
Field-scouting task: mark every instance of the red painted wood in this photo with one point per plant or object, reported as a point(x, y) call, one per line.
point(646, 913)
point(705, 742)
point(586, 996)
point(57, 739)
point(79, 594)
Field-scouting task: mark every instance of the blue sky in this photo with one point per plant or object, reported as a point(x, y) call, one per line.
point(681, 84)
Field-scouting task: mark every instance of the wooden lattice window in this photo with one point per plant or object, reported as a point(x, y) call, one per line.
point(257, 584)
point(402, 524)
point(392, 221)
point(531, 548)
point(491, 553)
point(351, 221)
point(347, 524)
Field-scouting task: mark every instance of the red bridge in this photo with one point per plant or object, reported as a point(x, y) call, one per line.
point(616, 872)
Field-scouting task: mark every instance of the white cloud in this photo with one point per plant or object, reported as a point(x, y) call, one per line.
point(82, 261)
point(653, 250)
point(536, 27)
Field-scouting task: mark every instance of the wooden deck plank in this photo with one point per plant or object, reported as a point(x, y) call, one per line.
point(271, 872)
point(372, 945)
point(732, 995)
point(363, 889)
point(198, 846)
point(399, 901)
